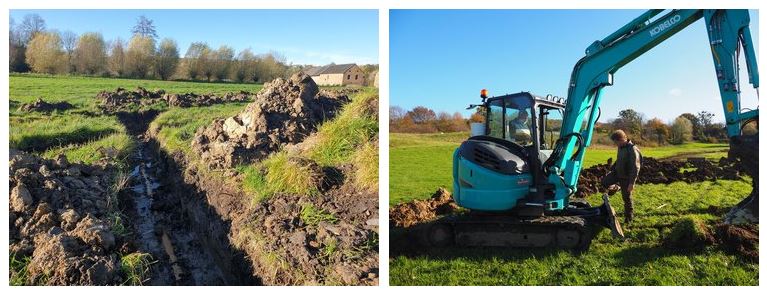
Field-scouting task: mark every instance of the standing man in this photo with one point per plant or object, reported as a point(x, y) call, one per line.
point(624, 171)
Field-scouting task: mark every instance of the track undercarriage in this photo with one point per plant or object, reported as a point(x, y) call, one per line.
point(572, 229)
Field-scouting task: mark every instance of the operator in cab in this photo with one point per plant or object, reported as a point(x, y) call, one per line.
point(520, 129)
point(624, 172)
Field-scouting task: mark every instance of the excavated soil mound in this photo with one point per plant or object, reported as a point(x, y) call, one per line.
point(411, 213)
point(662, 172)
point(338, 247)
point(191, 99)
point(740, 239)
point(57, 220)
point(284, 112)
point(45, 107)
point(127, 100)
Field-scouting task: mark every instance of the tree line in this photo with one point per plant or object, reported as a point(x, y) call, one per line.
point(421, 119)
point(686, 127)
point(34, 48)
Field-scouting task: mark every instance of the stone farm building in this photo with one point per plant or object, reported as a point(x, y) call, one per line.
point(344, 74)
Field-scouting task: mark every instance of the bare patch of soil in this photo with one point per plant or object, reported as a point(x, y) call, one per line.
point(122, 100)
point(739, 239)
point(663, 172)
point(45, 107)
point(411, 213)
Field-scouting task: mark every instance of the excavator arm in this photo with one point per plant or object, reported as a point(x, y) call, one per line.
point(728, 32)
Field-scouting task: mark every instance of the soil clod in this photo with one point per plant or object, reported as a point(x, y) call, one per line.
point(411, 213)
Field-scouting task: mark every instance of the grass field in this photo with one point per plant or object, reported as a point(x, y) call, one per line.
point(83, 136)
point(410, 154)
point(638, 260)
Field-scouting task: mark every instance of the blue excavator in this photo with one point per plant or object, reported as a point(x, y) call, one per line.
point(518, 175)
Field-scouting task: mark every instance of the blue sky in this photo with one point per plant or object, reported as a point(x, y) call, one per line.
point(442, 58)
point(302, 36)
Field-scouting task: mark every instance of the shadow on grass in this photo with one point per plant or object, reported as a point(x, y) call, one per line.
point(43, 142)
point(642, 254)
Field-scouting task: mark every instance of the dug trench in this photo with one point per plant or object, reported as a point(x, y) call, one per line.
point(174, 221)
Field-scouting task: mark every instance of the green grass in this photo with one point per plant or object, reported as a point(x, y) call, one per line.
point(84, 137)
point(421, 163)
point(80, 91)
point(18, 270)
point(338, 139)
point(639, 260)
point(279, 174)
point(365, 162)
point(37, 132)
point(135, 267)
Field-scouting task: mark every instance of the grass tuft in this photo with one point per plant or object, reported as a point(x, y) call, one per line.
point(365, 162)
point(136, 268)
point(279, 174)
point(312, 215)
point(355, 125)
point(18, 270)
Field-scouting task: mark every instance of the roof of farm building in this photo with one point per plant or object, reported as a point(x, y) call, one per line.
point(329, 69)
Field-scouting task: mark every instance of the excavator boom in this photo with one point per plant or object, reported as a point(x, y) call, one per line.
point(728, 32)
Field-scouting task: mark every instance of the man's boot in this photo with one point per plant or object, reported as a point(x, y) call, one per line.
point(611, 190)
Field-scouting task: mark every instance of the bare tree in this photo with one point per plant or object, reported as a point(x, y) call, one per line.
point(116, 62)
point(69, 41)
point(244, 66)
point(90, 54)
point(30, 25)
point(44, 53)
point(140, 56)
point(16, 49)
point(222, 59)
point(196, 59)
point(396, 113)
point(167, 59)
point(270, 66)
point(144, 27)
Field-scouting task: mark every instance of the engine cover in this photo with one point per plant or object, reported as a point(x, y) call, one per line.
point(488, 176)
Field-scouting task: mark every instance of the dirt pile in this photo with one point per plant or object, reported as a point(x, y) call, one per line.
point(328, 239)
point(411, 213)
point(45, 107)
point(57, 217)
point(740, 239)
point(284, 112)
point(693, 234)
point(129, 100)
point(662, 172)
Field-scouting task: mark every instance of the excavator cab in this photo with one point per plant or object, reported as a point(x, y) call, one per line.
point(497, 170)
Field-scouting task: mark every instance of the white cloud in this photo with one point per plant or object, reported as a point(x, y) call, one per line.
point(675, 92)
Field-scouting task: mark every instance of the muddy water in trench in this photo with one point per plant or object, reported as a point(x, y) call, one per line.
point(173, 222)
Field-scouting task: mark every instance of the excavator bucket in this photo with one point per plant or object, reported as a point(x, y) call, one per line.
point(611, 220)
point(745, 150)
